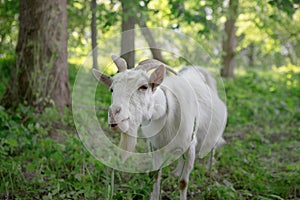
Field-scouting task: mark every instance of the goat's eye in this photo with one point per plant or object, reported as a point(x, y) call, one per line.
point(111, 90)
point(143, 87)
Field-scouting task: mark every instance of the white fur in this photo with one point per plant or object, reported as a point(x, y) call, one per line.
point(183, 114)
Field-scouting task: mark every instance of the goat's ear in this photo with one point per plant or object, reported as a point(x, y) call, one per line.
point(103, 78)
point(157, 77)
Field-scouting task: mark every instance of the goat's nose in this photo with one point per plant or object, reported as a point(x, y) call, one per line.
point(113, 110)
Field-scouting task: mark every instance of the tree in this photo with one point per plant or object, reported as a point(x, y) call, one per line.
point(156, 52)
point(94, 34)
point(135, 13)
point(40, 75)
point(128, 35)
point(141, 21)
point(229, 43)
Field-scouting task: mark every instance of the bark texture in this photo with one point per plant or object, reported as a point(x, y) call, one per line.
point(128, 35)
point(229, 43)
point(94, 34)
point(156, 52)
point(40, 75)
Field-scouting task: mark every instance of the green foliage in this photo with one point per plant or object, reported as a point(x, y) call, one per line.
point(287, 6)
point(43, 158)
point(79, 16)
point(268, 32)
point(9, 13)
point(193, 12)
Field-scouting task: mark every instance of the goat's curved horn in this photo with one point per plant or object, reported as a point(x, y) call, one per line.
point(120, 63)
point(150, 64)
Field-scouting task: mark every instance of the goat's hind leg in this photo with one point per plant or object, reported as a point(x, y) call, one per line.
point(178, 170)
point(211, 160)
point(187, 168)
point(155, 195)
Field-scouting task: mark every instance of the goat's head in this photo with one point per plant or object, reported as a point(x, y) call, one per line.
point(132, 92)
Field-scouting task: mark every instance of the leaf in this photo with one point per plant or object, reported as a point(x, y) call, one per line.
point(12, 142)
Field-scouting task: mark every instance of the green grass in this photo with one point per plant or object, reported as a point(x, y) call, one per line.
point(44, 159)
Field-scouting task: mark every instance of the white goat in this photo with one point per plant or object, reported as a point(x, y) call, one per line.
point(187, 104)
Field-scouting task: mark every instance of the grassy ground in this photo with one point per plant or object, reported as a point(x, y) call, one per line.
point(43, 159)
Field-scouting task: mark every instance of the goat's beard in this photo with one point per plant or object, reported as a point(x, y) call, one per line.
point(129, 137)
point(128, 142)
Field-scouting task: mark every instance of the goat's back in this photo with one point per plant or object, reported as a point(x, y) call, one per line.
point(193, 73)
point(212, 112)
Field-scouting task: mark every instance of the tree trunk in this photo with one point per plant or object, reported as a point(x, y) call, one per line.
point(156, 53)
point(40, 75)
point(94, 34)
point(229, 43)
point(127, 38)
point(251, 55)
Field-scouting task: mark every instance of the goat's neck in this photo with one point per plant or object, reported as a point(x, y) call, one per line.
point(160, 104)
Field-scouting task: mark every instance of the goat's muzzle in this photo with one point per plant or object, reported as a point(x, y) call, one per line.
point(113, 127)
point(116, 119)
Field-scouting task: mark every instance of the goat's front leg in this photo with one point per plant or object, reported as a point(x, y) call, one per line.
point(187, 168)
point(155, 195)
